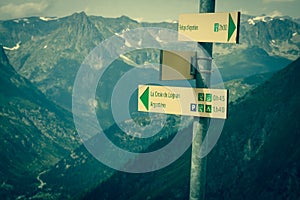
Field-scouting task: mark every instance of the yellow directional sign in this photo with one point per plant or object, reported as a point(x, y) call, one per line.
point(201, 102)
point(209, 27)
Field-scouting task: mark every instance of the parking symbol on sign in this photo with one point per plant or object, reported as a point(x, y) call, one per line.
point(193, 107)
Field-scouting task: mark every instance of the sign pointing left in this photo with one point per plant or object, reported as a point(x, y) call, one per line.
point(201, 102)
point(145, 98)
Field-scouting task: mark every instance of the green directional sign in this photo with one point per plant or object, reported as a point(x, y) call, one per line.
point(209, 27)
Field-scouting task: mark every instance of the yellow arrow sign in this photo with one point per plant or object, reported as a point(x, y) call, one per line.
point(209, 27)
point(199, 102)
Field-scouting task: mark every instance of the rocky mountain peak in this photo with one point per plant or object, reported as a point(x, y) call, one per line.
point(79, 17)
point(125, 19)
point(81, 25)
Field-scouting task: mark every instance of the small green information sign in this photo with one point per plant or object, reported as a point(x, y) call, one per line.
point(201, 108)
point(208, 108)
point(208, 97)
point(200, 96)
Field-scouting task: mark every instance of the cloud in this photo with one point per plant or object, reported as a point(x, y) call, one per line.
point(139, 19)
point(25, 9)
point(277, 1)
point(246, 12)
point(275, 13)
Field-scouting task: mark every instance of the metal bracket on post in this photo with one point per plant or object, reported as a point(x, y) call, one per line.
point(195, 65)
point(204, 58)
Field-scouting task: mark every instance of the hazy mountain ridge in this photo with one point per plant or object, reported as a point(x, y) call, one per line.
point(248, 62)
point(239, 87)
point(259, 143)
point(266, 45)
point(278, 36)
point(152, 185)
point(81, 166)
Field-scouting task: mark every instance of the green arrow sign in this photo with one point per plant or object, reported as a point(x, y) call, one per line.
point(145, 98)
point(231, 27)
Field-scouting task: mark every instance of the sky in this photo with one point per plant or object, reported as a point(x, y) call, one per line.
point(142, 10)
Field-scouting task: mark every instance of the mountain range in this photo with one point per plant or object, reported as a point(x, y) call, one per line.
point(42, 156)
point(48, 51)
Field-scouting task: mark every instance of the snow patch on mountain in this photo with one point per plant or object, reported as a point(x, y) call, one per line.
point(16, 47)
point(20, 20)
point(158, 39)
point(261, 18)
point(251, 22)
point(48, 18)
point(120, 35)
point(140, 42)
point(128, 60)
point(172, 21)
point(26, 20)
point(273, 43)
point(127, 43)
point(264, 18)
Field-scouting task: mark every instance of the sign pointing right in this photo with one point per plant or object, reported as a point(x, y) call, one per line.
point(209, 27)
point(231, 27)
